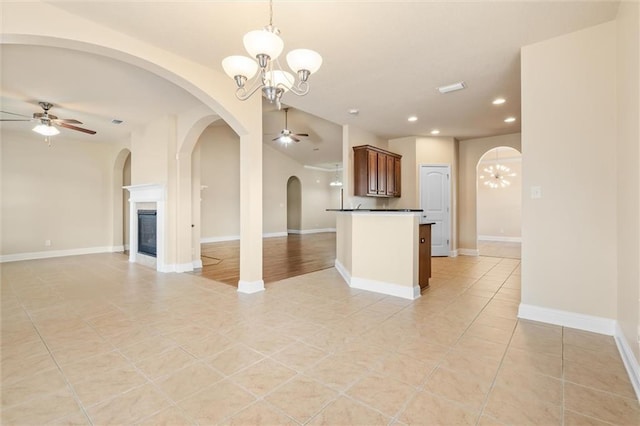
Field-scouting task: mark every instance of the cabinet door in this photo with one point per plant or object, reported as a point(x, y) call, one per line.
point(397, 173)
point(382, 174)
point(372, 176)
point(391, 176)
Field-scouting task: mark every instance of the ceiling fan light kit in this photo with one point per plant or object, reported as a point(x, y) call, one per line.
point(287, 136)
point(46, 130)
point(48, 123)
point(266, 46)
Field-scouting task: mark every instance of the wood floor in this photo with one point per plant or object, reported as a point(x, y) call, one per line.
point(283, 257)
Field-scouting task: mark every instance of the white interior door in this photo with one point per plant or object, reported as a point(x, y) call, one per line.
point(435, 196)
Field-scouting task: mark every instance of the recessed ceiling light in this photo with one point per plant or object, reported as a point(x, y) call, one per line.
point(498, 101)
point(452, 87)
point(435, 132)
point(412, 118)
point(354, 111)
point(509, 119)
point(116, 121)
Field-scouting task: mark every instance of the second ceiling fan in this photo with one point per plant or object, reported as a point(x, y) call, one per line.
point(286, 135)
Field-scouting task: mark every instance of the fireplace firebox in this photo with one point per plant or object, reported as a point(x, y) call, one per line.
point(147, 232)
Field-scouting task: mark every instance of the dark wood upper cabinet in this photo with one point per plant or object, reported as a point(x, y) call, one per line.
point(376, 172)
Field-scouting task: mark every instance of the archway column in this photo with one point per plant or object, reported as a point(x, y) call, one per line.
point(251, 208)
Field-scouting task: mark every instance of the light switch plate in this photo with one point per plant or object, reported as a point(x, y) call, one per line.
point(536, 192)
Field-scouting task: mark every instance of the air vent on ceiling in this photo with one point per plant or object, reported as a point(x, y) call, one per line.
point(116, 121)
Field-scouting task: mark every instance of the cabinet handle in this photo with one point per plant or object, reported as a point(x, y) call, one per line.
point(421, 240)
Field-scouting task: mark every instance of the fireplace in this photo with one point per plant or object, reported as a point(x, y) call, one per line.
point(147, 232)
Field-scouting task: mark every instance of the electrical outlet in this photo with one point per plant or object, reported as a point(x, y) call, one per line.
point(47, 243)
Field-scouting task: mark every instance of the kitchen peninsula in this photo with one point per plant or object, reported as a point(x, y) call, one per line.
point(378, 250)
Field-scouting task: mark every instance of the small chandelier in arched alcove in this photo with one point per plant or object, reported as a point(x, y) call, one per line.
point(497, 175)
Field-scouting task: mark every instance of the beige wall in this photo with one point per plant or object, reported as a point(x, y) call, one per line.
point(568, 144)
point(409, 173)
point(126, 181)
point(219, 159)
point(61, 193)
point(628, 158)
point(220, 173)
point(500, 209)
point(294, 204)
point(443, 151)
point(417, 151)
point(470, 152)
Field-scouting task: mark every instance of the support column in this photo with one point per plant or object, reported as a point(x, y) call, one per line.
point(251, 208)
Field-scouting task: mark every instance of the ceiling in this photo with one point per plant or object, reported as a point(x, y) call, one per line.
point(384, 58)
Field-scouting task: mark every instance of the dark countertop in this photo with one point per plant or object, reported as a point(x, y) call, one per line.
point(375, 210)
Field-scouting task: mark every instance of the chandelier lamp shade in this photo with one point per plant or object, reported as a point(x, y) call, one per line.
point(262, 70)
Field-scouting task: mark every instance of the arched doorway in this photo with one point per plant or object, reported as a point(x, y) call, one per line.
point(121, 177)
point(499, 202)
point(294, 205)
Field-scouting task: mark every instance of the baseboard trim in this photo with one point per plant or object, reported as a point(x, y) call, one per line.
point(197, 264)
point(628, 358)
point(374, 286)
point(468, 252)
point(310, 231)
point(250, 287)
point(382, 287)
point(205, 240)
point(274, 234)
point(59, 253)
point(453, 253)
point(590, 323)
point(499, 238)
point(567, 319)
point(346, 276)
point(183, 267)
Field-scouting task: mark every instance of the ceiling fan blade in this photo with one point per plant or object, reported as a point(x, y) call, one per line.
point(276, 138)
point(304, 135)
point(80, 129)
point(293, 138)
point(13, 113)
point(12, 119)
point(68, 120)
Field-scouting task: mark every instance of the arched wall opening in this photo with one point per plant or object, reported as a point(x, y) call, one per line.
point(121, 177)
point(499, 202)
point(294, 205)
point(65, 30)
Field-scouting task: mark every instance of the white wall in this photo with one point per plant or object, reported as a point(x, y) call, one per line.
point(569, 131)
point(470, 152)
point(220, 173)
point(60, 193)
point(500, 209)
point(628, 176)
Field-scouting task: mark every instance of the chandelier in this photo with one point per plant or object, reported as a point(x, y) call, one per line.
point(497, 175)
point(336, 181)
point(264, 46)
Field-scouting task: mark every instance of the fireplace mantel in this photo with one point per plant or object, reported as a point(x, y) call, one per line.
point(147, 193)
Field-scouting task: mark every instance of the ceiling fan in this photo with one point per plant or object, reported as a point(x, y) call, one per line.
point(286, 135)
point(47, 121)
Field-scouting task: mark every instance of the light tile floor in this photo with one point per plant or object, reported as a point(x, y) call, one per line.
point(96, 340)
point(499, 249)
